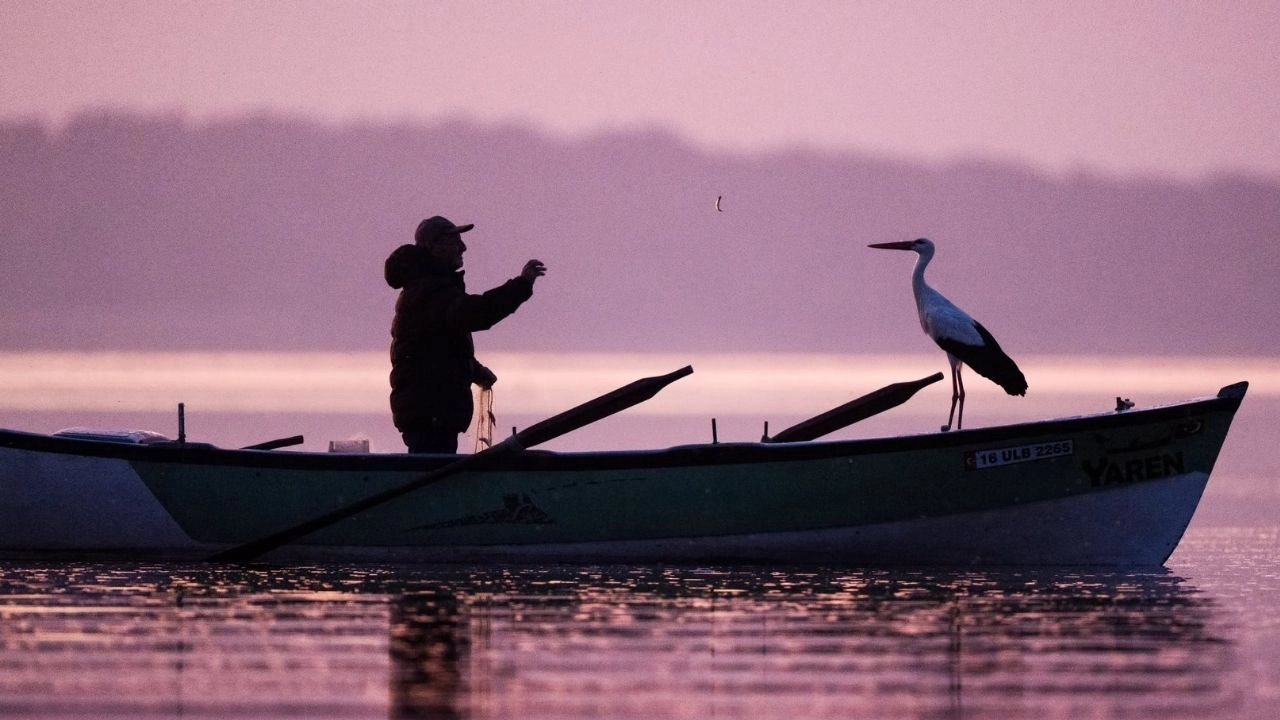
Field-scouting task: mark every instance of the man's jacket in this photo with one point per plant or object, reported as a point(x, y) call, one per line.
point(432, 355)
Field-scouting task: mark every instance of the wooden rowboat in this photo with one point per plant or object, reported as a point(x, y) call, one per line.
point(1115, 488)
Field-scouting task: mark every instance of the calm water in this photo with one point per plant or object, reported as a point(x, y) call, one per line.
point(1198, 639)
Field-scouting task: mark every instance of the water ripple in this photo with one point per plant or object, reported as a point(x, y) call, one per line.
point(156, 640)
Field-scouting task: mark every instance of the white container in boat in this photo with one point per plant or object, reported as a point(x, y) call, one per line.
point(349, 446)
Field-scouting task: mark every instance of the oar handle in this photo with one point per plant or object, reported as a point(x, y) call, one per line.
point(555, 426)
point(250, 550)
point(889, 396)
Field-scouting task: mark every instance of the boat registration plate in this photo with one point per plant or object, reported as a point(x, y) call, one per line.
point(995, 457)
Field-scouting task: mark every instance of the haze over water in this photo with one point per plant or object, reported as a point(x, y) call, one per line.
point(783, 387)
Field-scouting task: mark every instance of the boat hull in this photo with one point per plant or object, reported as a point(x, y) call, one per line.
point(1112, 489)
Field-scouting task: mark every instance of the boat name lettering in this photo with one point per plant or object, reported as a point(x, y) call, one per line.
point(995, 457)
point(1122, 472)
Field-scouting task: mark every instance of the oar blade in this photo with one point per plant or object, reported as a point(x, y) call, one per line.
point(598, 409)
point(873, 403)
point(276, 444)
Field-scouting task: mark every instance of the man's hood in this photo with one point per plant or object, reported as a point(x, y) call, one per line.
point(405, 264)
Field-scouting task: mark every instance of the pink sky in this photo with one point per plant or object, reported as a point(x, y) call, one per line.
point(1183, 88)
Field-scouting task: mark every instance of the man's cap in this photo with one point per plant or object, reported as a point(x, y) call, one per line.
point(436, 227)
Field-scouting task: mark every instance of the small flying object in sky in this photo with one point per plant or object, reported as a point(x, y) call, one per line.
point(964, 339)
point(718, 198)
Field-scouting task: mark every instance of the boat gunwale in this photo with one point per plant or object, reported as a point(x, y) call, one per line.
point(727, 453)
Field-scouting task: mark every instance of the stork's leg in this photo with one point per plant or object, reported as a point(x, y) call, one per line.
point(960, 382)
point(957, 392)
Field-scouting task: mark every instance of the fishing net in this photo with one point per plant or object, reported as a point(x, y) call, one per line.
point(485, 419)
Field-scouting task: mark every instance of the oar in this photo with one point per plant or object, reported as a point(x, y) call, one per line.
point(277, 443)
point(553, 427)
point(889, 396)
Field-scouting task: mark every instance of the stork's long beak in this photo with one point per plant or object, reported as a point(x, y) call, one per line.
point(903, 245)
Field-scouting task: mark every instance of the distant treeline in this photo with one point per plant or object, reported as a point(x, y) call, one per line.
point(120, 231)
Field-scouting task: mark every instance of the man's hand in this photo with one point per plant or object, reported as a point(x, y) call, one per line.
point(533, 270)
point(483, 377)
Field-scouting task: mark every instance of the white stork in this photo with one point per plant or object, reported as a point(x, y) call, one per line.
point(964, 339)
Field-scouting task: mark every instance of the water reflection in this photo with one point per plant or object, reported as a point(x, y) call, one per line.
point(867, 644)
point(130, 641)
point(427, 639)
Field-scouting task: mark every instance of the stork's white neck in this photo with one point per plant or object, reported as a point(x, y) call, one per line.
point(918, 285)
